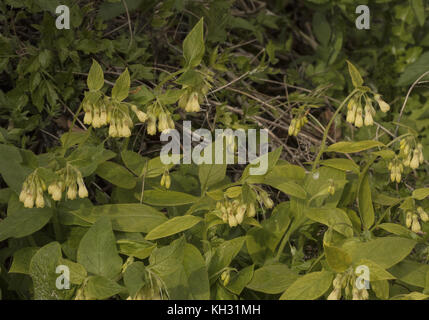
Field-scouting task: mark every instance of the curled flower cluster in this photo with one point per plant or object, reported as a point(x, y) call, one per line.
point(296, 124)
point(364, 116)
point(32, 191)
point(157, 114)
point(101, 111)
point(233, 212)
point(166, 180)
point(412, 219)
point(413, 157)
point(396, 168)
point(68, 178)
point(347, 281)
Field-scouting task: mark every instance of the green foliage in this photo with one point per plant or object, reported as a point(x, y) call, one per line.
point(83, 186)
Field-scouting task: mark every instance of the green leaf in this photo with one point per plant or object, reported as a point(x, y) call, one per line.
point(224, 254)
point(193, 45)
point(272, 279)
point(167, 198)
point(420, 194)
point(24, 222)
point(410, 296)
point(99, 287)
point(332, 217)
point(289, 187)
point(352, 147)
point(240, 279)
point(134, 277)
point(97, 250)
point(21, 260)
point(321, 28)
point(385, 252)
point(414, 70)
point(134, 162)
point(355, 75)
point(411, 272)
point(122, 86)
point(116, 174)
point(341, 164)
point(173, 226)
point(338, 259)
point(366, 209)
point(138, 249)
point(419, 10)
point(376, 273)
point(128, 217)
point(77, 271)
point(210, 174)
point(183, 270)
point(43, 273)
point(95, 80)
point(397, 229)
point(10, 169)
point(309, 287)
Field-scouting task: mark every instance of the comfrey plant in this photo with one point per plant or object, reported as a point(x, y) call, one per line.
point(350, 224)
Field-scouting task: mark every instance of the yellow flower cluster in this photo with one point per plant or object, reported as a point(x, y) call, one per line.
point(296, 124)
point(32, 191)
point(412, 219)
point(364, 116)
point(396, 168)
point(69, 179)
point(412, 157)
point(347, 281)
point(157, 114)
point(103, 111)
point(233, 212)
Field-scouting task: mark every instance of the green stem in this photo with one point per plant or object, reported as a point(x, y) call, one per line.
point(283, 243)
point(325, 133)
point(57, 227)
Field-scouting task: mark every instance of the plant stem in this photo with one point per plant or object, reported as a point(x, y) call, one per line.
point(325, 133)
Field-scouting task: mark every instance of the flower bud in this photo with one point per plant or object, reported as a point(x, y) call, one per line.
point(72, 191)
point(335, 294)
point(409, 219)
point(83, 192)
point(29, 201)
point(415, 227)
point(151, 125)
point(40, 202)
point(369, 121)
point(251, 211)
point(423, 215)
point(167, 182)
point(87, 119)
point(232, 220)
point(384, 107)
point(414, 164)
point(359, 119)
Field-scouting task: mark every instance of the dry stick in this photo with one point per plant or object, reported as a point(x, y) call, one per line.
point(406, 99)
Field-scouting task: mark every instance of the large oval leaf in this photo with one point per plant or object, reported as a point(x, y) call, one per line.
point(173, 226)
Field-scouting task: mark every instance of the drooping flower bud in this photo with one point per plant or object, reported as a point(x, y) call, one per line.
point(384, 107)
point(415, 227)
point(423, 215)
